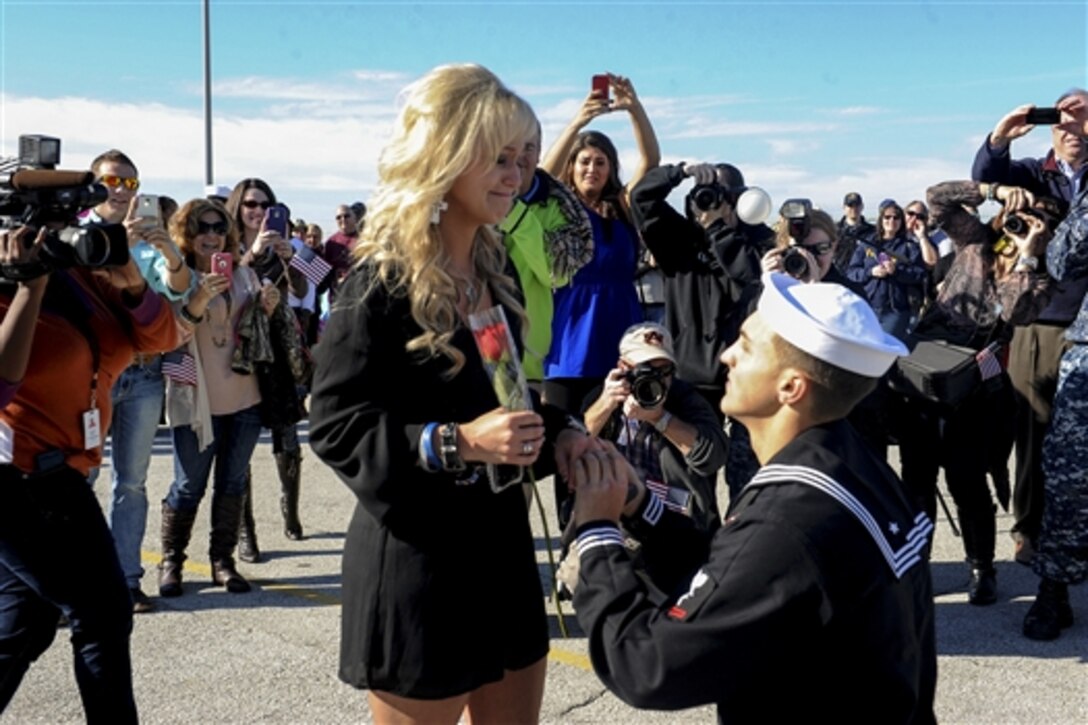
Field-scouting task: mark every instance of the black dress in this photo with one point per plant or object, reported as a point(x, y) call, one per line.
point(441, 591)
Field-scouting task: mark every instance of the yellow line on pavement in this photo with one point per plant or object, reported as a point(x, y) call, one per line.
point(572, 659)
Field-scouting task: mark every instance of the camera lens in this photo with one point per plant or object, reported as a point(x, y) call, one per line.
point(1015, 225)
point(648, 392)
point(794, 263)
point(706, 198)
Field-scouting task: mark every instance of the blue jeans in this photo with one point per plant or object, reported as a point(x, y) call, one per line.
point(137, 405)
point(895, 322)
point(235, 438)
point(56, 555)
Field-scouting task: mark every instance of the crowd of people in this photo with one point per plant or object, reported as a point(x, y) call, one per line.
point(777, 355)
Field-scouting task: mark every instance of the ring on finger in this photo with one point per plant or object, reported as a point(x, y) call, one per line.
point(526, 449)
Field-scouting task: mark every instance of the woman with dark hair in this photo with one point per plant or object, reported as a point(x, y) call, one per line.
point(214, 410)
point(600, 303)
point(269, 254)
point(993, 284)
point(889, 266)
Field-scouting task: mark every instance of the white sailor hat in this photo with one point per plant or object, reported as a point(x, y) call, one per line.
point(830, 323)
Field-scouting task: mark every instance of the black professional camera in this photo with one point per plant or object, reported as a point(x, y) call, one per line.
point(796, 212)
point(33, 193)
point(1015, 224)
point(709, 196)
point(648, 385)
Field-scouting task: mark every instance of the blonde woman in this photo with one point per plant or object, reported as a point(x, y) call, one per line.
point(404, 412)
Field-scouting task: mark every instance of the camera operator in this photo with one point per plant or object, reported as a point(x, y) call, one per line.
point(663, 427)
point(711, 262)
point(64, 339)
point(1036, 349)
point(996, 281)
point(806, 247)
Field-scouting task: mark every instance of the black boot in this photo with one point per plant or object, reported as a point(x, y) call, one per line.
point(979, 533)
point(289, 466)
point(177, 527)
point(1050, 613)
point(226, 516)
point(247, 532)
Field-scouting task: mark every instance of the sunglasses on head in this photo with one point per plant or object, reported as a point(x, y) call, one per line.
point(130, 182)
point(253, 204)
point(219, 228)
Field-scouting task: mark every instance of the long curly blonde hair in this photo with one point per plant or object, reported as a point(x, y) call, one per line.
point(453, 118)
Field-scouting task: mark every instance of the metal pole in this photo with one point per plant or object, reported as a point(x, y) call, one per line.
point(209, 176)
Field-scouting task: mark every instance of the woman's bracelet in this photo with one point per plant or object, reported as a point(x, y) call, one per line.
point(189, 316)
point(175, 270)
point(427, 455)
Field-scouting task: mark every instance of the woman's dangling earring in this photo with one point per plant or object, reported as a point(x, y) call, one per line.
point(436, 211)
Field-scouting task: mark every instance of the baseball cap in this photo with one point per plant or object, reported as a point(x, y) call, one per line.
point(646, 341)
point(851, 199)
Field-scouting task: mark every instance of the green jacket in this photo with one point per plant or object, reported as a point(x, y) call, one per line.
point(524, 239)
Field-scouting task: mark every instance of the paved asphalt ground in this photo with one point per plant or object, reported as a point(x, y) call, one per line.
point(270, 656)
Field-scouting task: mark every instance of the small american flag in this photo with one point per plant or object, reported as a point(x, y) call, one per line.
point(988, 364)
point(312, 266)
point(672, 498)
point(179, 367)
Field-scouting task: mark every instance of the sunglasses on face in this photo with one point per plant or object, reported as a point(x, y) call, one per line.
point(919, 214)
point(253, 204)
point(219, 228)
point(343, 216)
point(130, 182)
point(896, 217)
point(818, 249)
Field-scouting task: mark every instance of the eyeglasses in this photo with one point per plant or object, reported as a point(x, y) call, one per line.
point(919, 214)
point(130, 182)
point(818, 249)
point(219, 228)
point(253, 204)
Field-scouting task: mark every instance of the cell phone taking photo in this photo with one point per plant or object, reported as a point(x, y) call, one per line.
point(600, 85)
point(1044, 116)
point(147, 207)
point(275, 219)
point(223, 263)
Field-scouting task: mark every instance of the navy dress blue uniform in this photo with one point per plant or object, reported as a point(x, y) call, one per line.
point(812, 600)
point(1062, 549)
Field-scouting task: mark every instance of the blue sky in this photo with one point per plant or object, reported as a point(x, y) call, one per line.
point(807, 98)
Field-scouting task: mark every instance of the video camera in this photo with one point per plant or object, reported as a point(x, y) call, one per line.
point(796, 213)
point(34, 194)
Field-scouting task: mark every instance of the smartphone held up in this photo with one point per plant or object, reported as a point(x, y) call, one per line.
point(601, 85)
point(275, 219)
point(223, 263)
point(1043, 116)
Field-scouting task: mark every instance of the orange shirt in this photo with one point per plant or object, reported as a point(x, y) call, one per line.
point(47, 411)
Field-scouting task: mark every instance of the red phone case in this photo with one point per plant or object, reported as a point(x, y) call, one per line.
point(601, 85)
point(223, 263)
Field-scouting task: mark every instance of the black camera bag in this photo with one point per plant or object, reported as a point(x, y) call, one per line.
point(937, 371)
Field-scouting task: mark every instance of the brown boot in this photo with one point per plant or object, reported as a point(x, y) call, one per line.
point(289, 466)
point(247, 534)
point(226, 516)
point(177, 527)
